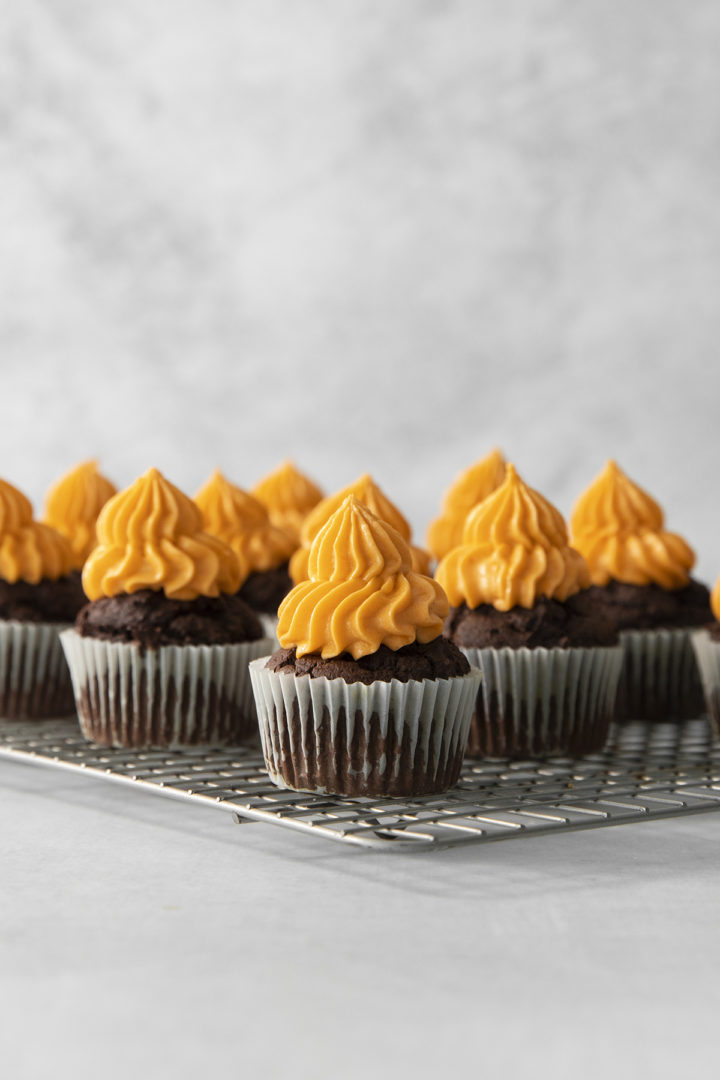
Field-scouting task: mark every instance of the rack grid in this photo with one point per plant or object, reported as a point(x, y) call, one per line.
point(646, 772)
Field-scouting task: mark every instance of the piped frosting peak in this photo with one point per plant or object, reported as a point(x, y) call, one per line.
point(362, 591)
point(366, 491)
point(618, 527)
point(72, 506)
point(242, 521)
point(288, 496)
point(514, 550)
point(469, 488)
point(150, 536)
point(29, 549)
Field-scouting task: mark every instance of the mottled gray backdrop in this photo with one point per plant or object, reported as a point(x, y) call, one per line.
point(371, 235)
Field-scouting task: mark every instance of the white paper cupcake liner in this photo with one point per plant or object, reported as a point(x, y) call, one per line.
point(660, 679)
point(707, 653)
point(534, 702)
point(388, 738)
point(34, 677)
point(170, 696)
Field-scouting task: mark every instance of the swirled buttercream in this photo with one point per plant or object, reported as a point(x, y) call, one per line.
point(242, 521)
point(369, 494)
point(288, 496)
point(72, 506)
point(618, 527)
point(514, 550)
point(150, 536)
point(468, 489)
point(362, 591)
point(29, 550)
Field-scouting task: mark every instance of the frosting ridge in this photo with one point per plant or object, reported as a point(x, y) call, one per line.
point(467, 490)
point(288, 496)
point(242, 522)
point(618, 527)
point(361, 592)
point(72, 506)
point(150, 536)
point(29, 549)
point(514, 550)
point(369, 494)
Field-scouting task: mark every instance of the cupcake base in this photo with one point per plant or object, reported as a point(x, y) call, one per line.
point(660, 679)
point(382, 739)
point(537, 702)
point(34, 678)
point(170, 696)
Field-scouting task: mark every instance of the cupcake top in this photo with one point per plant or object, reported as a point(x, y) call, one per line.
point(72, 506)
point(366, 491)
point(514, 551)
point(241, 521)
point(288, 496)
point(150, 536)
point(30, 551)
point(618, 527)
point(361, 592)
point(468, 489)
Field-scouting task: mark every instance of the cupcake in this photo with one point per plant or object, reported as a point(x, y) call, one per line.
point(72, 506)
point(369, 494)
point(549, 670)
point(262, 549)
point(365, 697)
point(159, 656)
point(641, 583)
point(288, 496)
point(39, 596)
point(706, 643)
point(469, 488)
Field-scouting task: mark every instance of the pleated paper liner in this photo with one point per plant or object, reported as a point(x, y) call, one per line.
point(534, 702)
point(34, 677)
point(170, 696)
point(707, 652)
point(660, 678)
point(388, 738)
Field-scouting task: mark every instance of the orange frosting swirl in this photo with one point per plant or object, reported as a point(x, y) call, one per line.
point(369, 494)
point(288, 496)
point(618, 527)
point(362, 591)
point(150, 536)
point(72, 506)
point(241, 521)
point(514, 551)
point(469, 488)
point(29, 550)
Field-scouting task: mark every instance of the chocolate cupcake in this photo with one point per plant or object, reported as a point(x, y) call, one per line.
point(549, 670)
point(288, 496)
point(366, 491)
point(159, 656)
point(73, 504)
point(468, 489)
point(641, 584)
point(365, 698)
point(39, 596)
point(262, 549)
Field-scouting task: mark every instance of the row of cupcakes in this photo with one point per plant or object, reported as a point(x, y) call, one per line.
point(536, 537)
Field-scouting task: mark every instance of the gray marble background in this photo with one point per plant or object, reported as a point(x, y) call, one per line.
point(370, 235)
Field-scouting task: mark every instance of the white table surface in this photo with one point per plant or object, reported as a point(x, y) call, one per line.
point(139, 934)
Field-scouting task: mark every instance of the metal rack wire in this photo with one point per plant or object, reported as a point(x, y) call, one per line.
point(647, 772)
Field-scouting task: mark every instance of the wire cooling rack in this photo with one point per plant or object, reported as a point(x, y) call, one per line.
point(647, 771)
